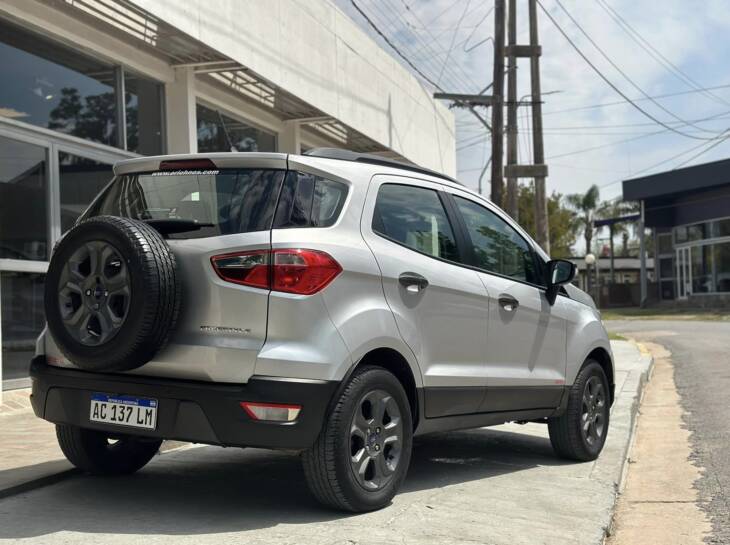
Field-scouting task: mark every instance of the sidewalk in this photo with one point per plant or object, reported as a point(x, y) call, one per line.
point(29, 452)
point(498, 485)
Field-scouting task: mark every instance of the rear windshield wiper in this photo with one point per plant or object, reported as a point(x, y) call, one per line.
point(176, 225)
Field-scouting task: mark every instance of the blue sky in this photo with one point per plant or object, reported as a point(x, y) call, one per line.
point(449, 41)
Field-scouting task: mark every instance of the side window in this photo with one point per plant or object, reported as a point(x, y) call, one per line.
point(497, 247)
point(309, 201)
point(414, 217)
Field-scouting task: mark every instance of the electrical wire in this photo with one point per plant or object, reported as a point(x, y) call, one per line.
point(636, 36)
point(611, 84)
point(624, 74)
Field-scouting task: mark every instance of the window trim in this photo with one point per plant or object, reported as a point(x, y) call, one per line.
point(472, 265)
point(454, 227)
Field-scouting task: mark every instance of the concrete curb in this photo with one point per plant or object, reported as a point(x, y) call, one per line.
point(635, 384)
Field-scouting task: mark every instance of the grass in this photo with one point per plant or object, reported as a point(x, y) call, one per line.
point(669, 313)
point(616, 336)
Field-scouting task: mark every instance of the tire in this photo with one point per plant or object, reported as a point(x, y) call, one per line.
point(92, 452)
point(112, 294)
point(373, 399)
point(588, 401)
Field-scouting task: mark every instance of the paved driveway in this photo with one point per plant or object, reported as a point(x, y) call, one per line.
point(701, 357)
point(499, 485)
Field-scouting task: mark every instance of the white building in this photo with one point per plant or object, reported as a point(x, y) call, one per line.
point(88, 82)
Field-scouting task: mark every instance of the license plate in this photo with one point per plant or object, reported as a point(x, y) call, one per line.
point(136, 412)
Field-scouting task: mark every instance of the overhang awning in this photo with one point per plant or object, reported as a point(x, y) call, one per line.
point(134, 25)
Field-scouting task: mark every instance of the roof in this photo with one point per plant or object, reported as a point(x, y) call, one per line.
point(678, 181)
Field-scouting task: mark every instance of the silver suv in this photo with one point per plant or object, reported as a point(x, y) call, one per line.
point(332, 303)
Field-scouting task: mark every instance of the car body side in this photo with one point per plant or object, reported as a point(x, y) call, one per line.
point(325, 336)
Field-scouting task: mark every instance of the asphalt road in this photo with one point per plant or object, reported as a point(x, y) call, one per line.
point(701, 357)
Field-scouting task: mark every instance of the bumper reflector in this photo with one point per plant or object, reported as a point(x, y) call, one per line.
point(272, 412)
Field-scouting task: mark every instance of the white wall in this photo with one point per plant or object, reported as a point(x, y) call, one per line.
point(314, 51)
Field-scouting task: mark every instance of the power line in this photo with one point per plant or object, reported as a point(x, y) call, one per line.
point(636, 36)
point(393, 46)
point(620, 71)
point(453, 39)
point(611, 84)
point(638, 99)
point(457, 76)
point(711, 146)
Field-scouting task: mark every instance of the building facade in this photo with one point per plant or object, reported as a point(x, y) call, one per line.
point(688, 211)
point(89, 82)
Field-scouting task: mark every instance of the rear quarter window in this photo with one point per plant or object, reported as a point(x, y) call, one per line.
point(307, 200)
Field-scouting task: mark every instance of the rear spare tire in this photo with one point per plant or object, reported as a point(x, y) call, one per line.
point(112, 294)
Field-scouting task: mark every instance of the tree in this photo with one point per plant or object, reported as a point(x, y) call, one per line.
point(619, 209)
point(585, 205)
point(91, 117)
point(563, 228)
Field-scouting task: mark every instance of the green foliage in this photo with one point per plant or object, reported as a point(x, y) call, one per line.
point(561, 220)
point(585, 206)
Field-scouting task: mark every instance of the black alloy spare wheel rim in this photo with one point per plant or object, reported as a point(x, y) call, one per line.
point(376, 439)
point(94, 293)
point(593, 411)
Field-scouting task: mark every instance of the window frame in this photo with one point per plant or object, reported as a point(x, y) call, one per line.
point(472, 261)
point(455, 228)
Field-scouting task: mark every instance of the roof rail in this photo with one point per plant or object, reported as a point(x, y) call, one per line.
point(348, 155)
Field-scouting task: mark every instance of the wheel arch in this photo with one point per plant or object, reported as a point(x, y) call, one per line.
point(603, 357)
point(395, 362)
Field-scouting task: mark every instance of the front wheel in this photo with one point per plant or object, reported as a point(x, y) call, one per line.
point(98, 453)
point(580, 433)
point(362, 454)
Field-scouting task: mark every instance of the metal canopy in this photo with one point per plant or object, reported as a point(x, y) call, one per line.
point(128, 22)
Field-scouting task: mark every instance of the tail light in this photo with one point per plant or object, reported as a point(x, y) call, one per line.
point(291, 270)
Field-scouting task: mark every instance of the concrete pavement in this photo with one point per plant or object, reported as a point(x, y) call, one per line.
point(700, 354)
point(499, 485)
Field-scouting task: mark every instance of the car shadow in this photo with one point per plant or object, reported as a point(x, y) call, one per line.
point(211, 490)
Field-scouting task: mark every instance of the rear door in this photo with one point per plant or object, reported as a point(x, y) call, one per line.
point(526, 343)
point(439, 306)
point(222, 325)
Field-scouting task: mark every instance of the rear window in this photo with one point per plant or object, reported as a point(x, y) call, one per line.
point(309, 201)
point(205, 204)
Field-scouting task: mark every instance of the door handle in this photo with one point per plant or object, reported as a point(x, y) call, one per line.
point(413, 282)
point(508, 303)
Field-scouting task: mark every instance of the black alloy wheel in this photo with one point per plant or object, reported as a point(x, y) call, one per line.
point(93, 293)
point(580, 432)
point(376, 436)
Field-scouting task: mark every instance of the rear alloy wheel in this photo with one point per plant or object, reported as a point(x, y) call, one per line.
point(580, 433)
point(362, 453)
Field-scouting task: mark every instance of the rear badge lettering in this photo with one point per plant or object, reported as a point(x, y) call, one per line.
point(224, 330)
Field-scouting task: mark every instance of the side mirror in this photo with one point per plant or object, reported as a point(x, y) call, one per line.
point(559, 272)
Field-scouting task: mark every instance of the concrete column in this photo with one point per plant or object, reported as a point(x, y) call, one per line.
point(290, 138)
point(180, 119)
point(642, 256)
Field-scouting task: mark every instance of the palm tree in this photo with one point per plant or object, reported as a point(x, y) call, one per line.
point(585, 205)
point(617, 209)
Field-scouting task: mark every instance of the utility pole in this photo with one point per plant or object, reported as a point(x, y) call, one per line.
point(498, 102)
point(541, 212)
point(511, 204)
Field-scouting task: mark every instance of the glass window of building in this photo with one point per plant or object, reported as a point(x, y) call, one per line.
point(143, 113)
point(23, 201)
point(21, 305)
point(721, 228)
point(52, 86)
point(218, 132)
point(721, 258)
point(81, 181)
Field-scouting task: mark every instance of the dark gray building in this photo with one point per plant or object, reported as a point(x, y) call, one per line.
point(688, 210)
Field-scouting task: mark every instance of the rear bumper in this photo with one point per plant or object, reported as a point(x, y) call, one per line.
point(192, 411)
